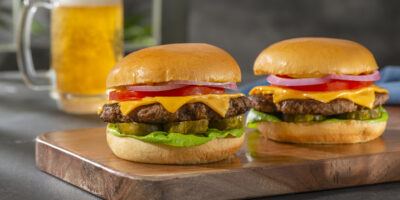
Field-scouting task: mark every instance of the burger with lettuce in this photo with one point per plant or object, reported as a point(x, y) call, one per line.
point(168, 104)
point(322, 91)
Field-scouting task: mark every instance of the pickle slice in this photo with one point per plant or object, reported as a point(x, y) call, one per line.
point(362, 114)
point(297, 118)
point(140, 129)
point(187, 127)
point(227, 123)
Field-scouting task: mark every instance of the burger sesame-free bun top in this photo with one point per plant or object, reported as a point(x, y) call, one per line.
point(173, 62)
point(309, 57)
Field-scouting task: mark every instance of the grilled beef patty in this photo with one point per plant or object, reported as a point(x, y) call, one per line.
point(156, 113)
point(265, 103)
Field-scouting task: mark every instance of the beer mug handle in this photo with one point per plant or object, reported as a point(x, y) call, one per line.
point(33, 79)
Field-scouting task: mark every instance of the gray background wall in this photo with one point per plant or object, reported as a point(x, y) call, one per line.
point(245, 27)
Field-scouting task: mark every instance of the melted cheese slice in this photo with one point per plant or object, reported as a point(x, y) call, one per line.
point(363, 96)
point(217, 102)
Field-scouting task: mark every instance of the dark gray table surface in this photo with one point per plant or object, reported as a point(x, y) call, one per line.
point(25, 114)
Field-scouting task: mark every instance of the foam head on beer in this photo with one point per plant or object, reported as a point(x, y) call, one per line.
point(87, 2)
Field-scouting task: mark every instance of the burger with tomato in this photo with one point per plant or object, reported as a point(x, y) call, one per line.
point(168, 105)
point(322, 91)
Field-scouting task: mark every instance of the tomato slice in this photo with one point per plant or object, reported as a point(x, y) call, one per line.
point(333, 85)
point(126, 95)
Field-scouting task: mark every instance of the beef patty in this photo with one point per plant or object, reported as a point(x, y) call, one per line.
point(156, 113)
point(265, 103)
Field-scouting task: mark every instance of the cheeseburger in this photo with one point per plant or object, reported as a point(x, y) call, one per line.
point(322, 91)
point(168, 105)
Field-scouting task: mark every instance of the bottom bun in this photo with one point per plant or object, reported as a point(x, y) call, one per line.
point(136, 150)
point(351, 131)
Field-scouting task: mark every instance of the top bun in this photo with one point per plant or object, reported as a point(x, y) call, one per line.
point(173, 62)
point(309, 57)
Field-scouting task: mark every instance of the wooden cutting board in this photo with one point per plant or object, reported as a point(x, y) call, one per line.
point(260, 168)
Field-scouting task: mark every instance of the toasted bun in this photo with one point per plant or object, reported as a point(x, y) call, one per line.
point(136, 150)
point(352, 131)
point(309, 57)
point(172, 62)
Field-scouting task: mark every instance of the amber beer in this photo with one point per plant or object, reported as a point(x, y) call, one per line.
point(86, 42)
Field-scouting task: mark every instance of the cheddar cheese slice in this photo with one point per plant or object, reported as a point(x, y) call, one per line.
point(363, 96)
point(218, 102)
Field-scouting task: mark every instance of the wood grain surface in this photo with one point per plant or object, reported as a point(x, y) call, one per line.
point(261, 168)
point(394, 117)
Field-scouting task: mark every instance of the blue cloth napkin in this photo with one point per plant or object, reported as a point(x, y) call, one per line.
point(390, 80)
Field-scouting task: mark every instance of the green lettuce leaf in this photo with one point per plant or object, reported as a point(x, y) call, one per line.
point(178, 139)
point(255, 116)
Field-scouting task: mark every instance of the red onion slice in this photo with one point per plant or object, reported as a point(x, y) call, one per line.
point(374, 76)
point(154, 88)
point(226, 85)
point(273, 79)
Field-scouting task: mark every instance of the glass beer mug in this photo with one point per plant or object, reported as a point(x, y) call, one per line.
point(86, 42)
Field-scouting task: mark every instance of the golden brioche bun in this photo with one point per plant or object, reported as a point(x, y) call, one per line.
point(136, 150)
point(352, 131)
point(172, 62)
point(311, 57)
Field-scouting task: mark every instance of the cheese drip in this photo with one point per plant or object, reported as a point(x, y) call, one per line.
point(217, 102)
point(363, 96)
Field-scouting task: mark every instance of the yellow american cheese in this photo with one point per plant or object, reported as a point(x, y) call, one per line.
point(217, 102)
point(363, 96)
